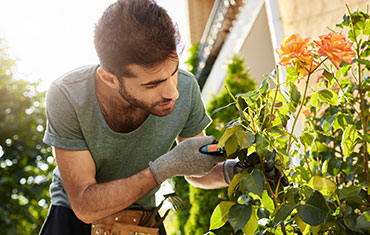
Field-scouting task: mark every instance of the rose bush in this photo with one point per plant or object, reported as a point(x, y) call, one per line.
point(327, 163)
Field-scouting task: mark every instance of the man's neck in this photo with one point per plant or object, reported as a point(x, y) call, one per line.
point(120, 116)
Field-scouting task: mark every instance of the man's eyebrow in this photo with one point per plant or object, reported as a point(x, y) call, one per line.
point(154, 82)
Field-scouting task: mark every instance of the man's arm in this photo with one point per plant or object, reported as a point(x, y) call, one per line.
point(92, 201)
point(213, 180)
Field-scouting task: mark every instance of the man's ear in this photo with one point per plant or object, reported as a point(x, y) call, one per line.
point(108, 78)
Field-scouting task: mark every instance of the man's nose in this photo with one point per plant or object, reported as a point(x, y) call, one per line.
point(170, 90)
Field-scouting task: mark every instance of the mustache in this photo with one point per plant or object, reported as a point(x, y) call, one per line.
point(162, 101)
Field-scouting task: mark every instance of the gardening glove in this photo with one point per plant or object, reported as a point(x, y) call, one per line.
point(230, 168)
point(234, 166)
point(185, 159)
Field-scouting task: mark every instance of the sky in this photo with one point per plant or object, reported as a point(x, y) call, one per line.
point(50, 37)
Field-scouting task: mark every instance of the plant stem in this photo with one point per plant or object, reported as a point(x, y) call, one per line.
point(302, 103)
point(282, 225)
point(276, 92)
point(297, 115)
point(274, 199)
point(306, 160)
point(362, 107)
point(364, 126)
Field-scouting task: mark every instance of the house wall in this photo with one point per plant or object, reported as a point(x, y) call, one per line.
point(312, 18)
point(198, 13)
point(257, 49)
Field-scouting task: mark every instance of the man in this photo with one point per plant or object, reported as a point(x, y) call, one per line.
point(113, 124)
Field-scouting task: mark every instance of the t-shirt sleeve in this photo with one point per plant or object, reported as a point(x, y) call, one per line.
point(198, 119)
point(62, 128)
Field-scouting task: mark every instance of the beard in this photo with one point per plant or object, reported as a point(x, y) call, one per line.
point(151, 108)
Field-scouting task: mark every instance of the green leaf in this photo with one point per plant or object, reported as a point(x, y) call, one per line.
point(342, 121)
point(220, 215)
point(292, 74)
point(295, 95)
point(234, 182)
point(324, 185)
point(267, 202)
point(254, 182)
point(315, 229)
point(250, 97)
point(367, 28)
point(367, 137)
point(239, 215)
point(261, 145)
point(315, 100)
point(231, 145)
point(305, 228)
point(283, 212)
point(252, 224)
point(349, 139)
point(328, 96)
point(334, 166)
point(350, 191)
point(292, 196)
point(265, 85)
point(242, 103)
point(327, 122)
point(227, 134)
point(245, 138)
point(363, 221)
point(307, 139)
point(315, 211)
point(352, 35)
point(329, 76)
point(349, 218)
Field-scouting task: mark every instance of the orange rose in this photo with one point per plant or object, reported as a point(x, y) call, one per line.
point(294, 50)
point(336, 48)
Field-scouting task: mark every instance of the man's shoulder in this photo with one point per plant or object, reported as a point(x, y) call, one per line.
point(77, 75)
point(75, 87)
point(186, 80)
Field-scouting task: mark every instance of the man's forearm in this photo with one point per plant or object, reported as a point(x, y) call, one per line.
point(213, 180)
point(100, 200)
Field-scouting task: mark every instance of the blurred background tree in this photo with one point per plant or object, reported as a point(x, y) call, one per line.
point(25, 162)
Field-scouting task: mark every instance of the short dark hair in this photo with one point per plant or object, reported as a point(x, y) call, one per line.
point(135, 32)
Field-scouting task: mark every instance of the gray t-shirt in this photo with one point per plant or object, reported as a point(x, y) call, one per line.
point(75, 122)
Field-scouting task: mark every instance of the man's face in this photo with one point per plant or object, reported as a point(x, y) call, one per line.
point(153, 90)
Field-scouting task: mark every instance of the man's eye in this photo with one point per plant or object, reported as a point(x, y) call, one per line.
point(151, 86)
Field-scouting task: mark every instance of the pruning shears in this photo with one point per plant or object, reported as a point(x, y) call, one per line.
point(213, 149)
point(271, 171)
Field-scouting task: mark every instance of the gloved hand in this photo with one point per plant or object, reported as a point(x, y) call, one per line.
point(233, 167)
point(230, 168)
point(185, 159)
